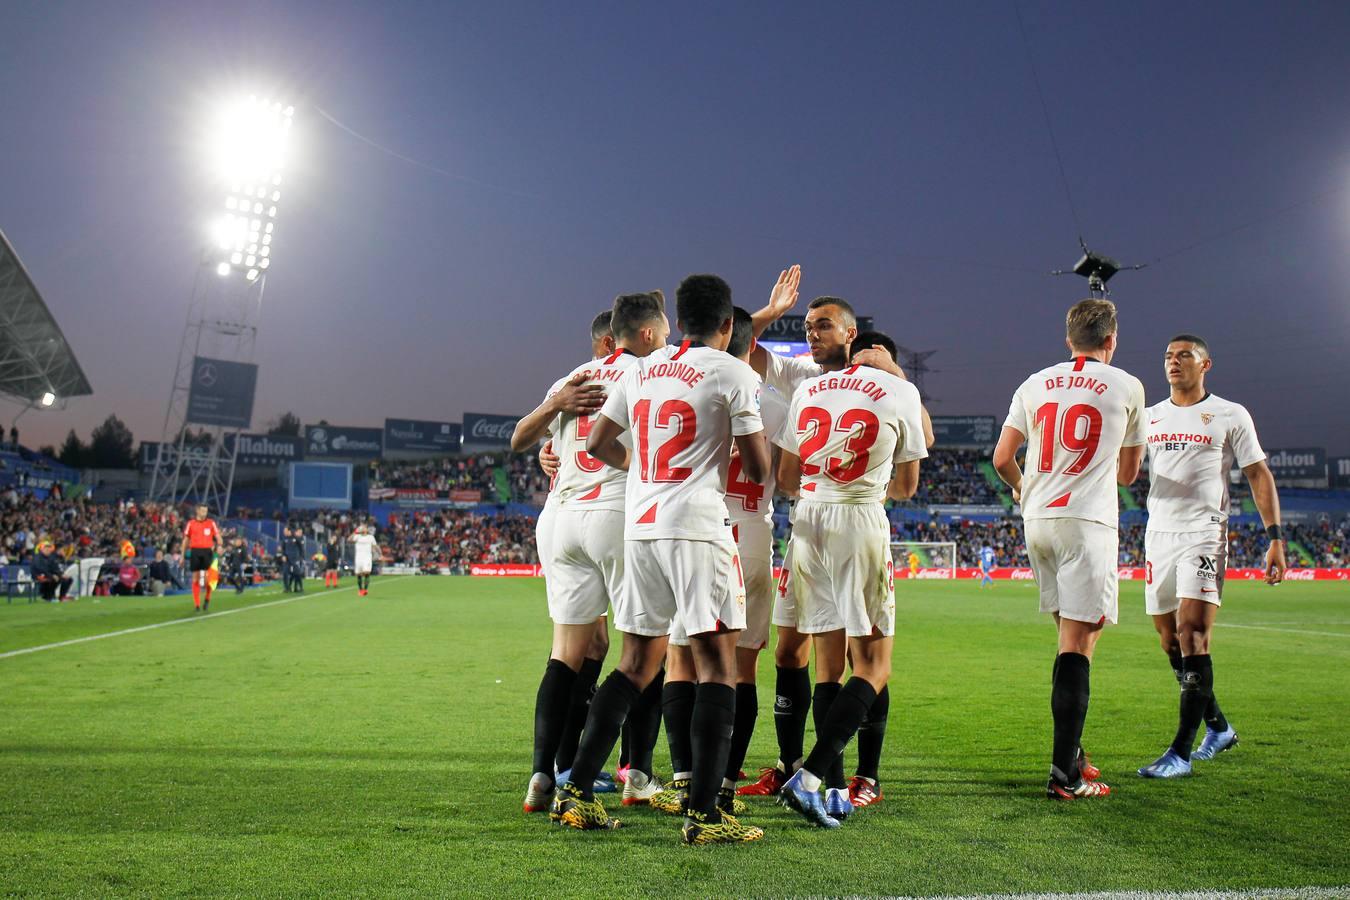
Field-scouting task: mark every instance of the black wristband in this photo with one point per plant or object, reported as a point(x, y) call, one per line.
point(1274, 533)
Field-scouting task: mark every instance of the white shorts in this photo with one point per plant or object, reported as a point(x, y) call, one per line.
point(543, 533)
point(1076, 563)
point(362, 567)
point(839, 573)
point(680, 588)
point(754, 542)
point(585, 573)
point(1188, 565)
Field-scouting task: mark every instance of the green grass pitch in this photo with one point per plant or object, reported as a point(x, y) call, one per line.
point(337, 745)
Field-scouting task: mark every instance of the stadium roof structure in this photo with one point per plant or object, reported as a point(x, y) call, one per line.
point(34, 356)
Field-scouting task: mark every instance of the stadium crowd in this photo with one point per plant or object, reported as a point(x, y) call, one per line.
point(82, 528)
point(954, 477)
point(472, 472)
point(454, 540)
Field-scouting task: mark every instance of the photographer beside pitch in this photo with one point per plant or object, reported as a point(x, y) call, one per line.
point(1194, 438)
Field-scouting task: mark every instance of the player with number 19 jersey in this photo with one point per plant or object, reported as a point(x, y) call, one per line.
point(683, 406)
point(1076, 416)
point(585, 564)
point(849, 428)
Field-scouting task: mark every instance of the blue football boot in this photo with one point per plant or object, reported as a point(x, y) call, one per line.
point(1169, 765)
point(796, 797)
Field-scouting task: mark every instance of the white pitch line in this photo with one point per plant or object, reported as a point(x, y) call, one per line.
point(139, 628)
point(1341, 634)
point(1299, 893)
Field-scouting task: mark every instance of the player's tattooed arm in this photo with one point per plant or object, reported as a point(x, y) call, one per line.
point(574, 397)
point(904, 481)
point(1005, 460)
point(603, 443)
point(781, 300)
point(1267, 500)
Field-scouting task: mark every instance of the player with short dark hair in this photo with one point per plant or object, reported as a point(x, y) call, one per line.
point(831, 328)
point(201, 537)
point(1194, 440)
point(685, 408)
point(854, 439)
point(585, 571)
point(1084, 427)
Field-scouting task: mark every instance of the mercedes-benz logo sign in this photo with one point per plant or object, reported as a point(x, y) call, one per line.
point(206, 374)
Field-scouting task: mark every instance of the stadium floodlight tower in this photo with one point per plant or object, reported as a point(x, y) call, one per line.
point(215, 377)
point(1097, 269)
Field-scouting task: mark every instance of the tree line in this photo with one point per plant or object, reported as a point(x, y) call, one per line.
point(111, 445)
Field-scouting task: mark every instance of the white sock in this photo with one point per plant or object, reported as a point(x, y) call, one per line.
point(809, 781)
point(728, 784)
point(682, 776)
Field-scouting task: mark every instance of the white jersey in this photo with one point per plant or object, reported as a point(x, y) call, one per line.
point(364, 553)
point(746, 500)
point(584, 481)
point(785, 373)
point(1191, 450)
point(1076, 415)
point(850, 428)
point(683, 406)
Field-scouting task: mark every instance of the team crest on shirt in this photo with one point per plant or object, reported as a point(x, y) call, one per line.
point(1207, 417)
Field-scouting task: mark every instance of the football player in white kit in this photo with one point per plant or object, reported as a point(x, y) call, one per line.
point(750, 511)
point(1194, 438)
point(854, 439)
point(1084, 427)
point(538, 425)
point(685, 408)
point(750, 507)
point(363, 557)
point(585, 568)
point(830, 328)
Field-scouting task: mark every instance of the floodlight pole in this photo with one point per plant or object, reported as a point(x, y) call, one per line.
point(223, 316)
point(183, 470)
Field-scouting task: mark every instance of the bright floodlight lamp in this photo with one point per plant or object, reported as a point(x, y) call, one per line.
point(248, 153)
point(48, 398)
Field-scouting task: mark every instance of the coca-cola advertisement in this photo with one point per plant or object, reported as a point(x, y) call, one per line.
point(484, 430)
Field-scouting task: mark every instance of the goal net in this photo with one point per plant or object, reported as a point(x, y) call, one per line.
point(931, 560)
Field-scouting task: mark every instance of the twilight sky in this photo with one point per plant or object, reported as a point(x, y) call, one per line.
point(897, 151)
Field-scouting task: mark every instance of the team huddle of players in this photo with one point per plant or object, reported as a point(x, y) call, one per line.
point(666, 459)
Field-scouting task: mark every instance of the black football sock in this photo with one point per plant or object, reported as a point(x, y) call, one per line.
point(791, 705)
point(1174, 659)
point(626, 741)
point(1215, 720)
point(845, 716)
point(583, 689)
point(1069, 705)
point(677, 708)
point(550, 712)
point(821, 701)
point(747, 709)
point(1197, 687)
point(609, 708)
point(710, 734)
point(644, 725)
point(872, 735)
